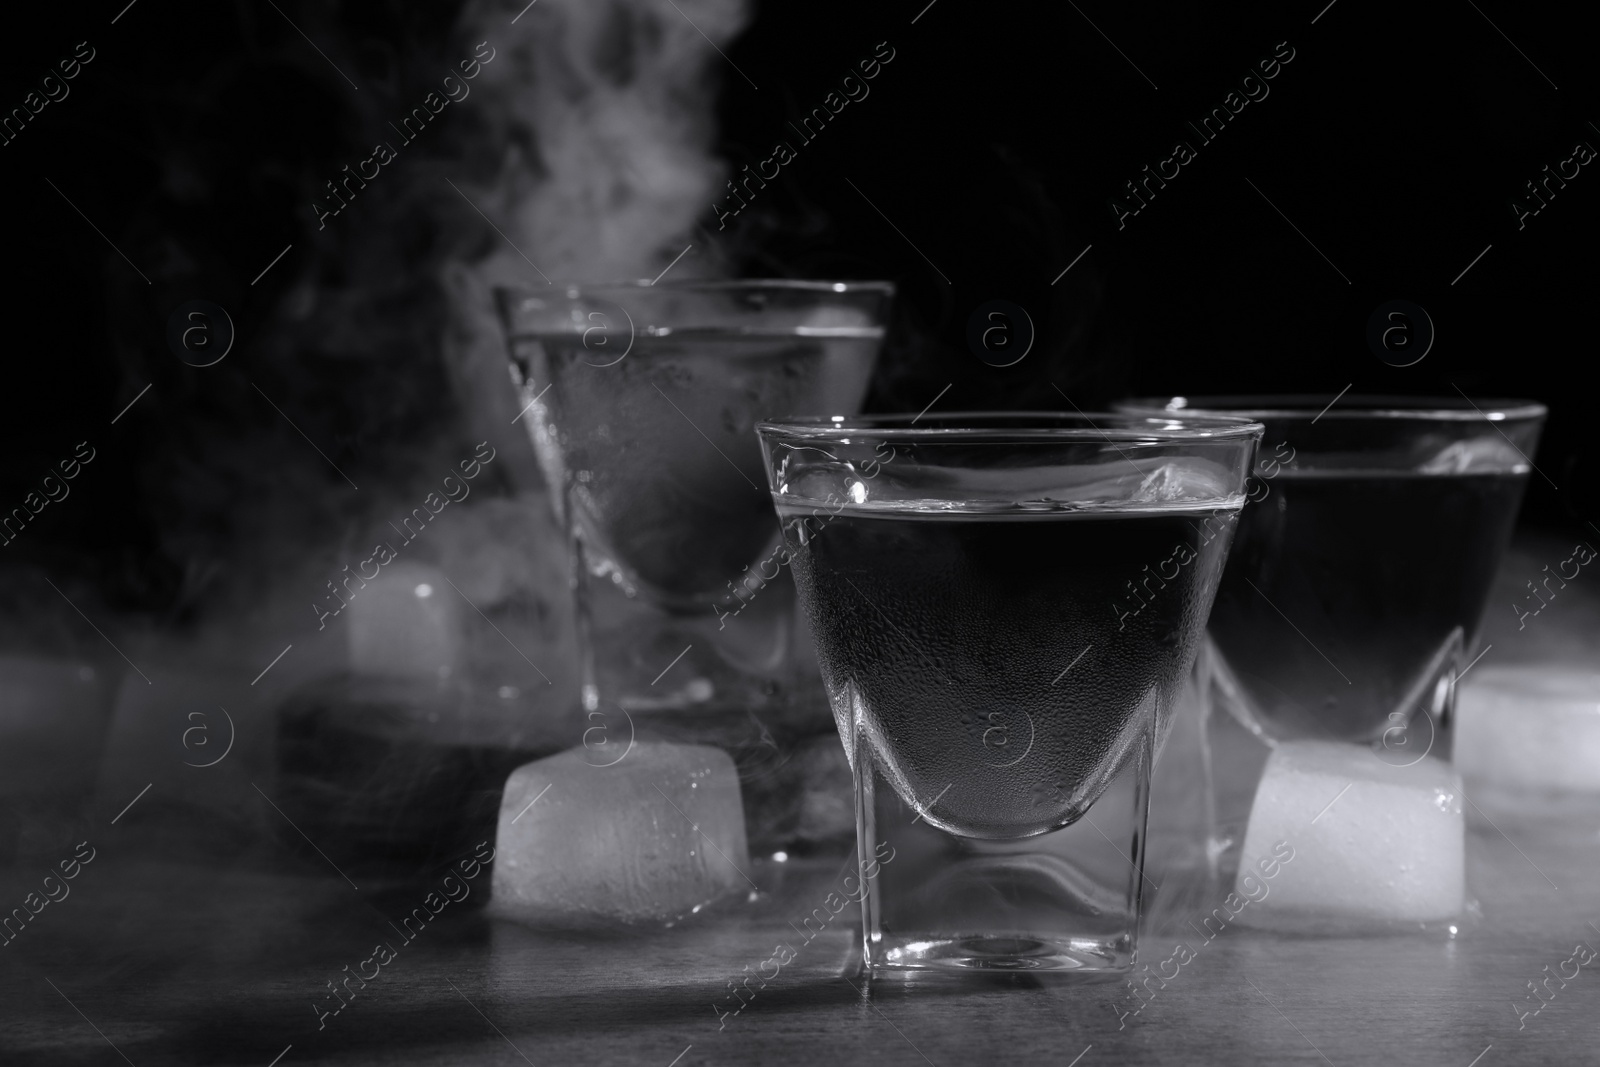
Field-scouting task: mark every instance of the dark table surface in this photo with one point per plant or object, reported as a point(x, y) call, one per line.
point(184, 962)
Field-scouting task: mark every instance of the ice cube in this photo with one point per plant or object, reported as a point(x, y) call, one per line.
point(406, 624)
point(1476, 455)
point(651, 837)
point(1193, 479)
point(831, 321)
point(1368, 841)
point(1530, 730)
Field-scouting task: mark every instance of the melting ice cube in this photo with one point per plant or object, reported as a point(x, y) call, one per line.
point(1478, 455)
point(406, 624)
point(1530, 730)
point(649, 838)
point(1370, 841)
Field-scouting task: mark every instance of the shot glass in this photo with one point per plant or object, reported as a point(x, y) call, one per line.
point(641, 402)
point(1004, 607)
point(1374, 527)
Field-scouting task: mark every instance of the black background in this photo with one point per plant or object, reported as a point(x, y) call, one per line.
point(1395, 141)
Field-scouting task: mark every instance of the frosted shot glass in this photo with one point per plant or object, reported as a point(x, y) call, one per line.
point(1004, 607)
point(641, 400)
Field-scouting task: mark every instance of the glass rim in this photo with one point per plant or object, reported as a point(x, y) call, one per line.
point(1291, 406)
point(1026, 426)
point(812, 285)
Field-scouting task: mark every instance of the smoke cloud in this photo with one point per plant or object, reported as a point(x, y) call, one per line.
point(598, 122)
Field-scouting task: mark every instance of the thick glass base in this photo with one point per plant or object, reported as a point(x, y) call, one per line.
point(991, 952)
point(1066, 901)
